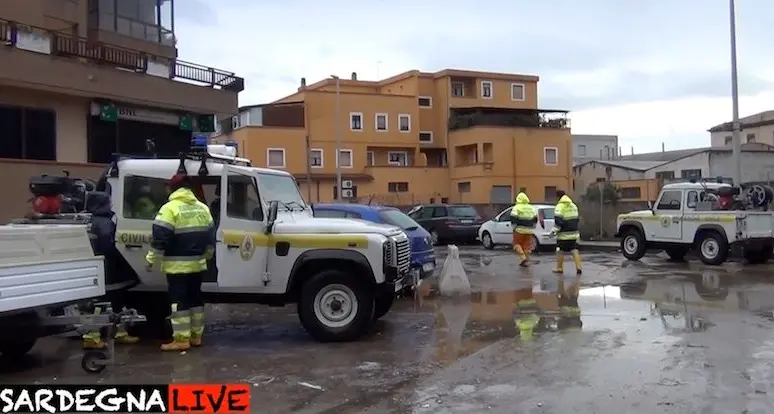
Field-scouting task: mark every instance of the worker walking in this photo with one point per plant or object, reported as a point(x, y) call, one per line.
point(523, 220)
point(566, 232)
point(184, 238)
point(102, 234)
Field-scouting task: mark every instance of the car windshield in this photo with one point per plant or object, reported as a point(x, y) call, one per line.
point(281, 188)
point(399, 219)
point(462, 211)
point(548, 213)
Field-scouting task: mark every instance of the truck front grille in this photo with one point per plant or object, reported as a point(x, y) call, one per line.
point(400, 256)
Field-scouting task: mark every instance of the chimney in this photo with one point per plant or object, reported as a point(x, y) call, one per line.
point(662, 147)
point(303, 82)
point(354, 75)
point(620, 152)
point(632, 149)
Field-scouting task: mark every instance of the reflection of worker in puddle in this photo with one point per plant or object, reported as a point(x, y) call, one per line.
point(569, 311)
point(527, 313)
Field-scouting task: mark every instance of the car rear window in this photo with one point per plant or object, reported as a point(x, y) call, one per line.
point(398, 218)
point(462, 211)
point(548, 213)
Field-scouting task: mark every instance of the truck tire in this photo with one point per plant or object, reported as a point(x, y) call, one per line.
point(335, 306)
point(712, 248)
point(633, 244)
point(15, 348)
point(676, 253)
point(383, 304)
point(759, 256)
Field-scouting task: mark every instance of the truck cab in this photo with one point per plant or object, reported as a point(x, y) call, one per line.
point(270, 249)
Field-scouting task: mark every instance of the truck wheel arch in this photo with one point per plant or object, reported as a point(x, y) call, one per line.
point(709, 227)
point(307, 264)
point(629, 224)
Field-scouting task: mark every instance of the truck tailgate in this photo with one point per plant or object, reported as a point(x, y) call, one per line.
point(756, 224)
point(43, 265)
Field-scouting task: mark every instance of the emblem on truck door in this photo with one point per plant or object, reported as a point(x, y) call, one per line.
point(247, 248)
point(666, 221)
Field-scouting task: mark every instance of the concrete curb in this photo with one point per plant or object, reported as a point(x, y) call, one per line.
point(591, 246)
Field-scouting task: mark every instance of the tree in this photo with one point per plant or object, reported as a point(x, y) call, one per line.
point(610, 193)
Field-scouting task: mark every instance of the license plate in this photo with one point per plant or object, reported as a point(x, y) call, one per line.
point(428, 267)
point(466, 221)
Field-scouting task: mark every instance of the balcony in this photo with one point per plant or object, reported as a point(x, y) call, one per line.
point(463, 118)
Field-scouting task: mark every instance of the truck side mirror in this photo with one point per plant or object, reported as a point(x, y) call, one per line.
point(272, 216)
point(650, 207)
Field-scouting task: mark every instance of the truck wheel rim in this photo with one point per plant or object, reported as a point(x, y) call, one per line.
point(631, 244)
point(709, 248)
point(335, 306)
point(487, 240)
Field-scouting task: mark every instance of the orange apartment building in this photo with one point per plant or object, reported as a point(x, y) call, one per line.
point(83, 79)
point(453, 135)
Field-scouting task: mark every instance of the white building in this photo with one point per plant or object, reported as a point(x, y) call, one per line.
point(755, 128)
point(600, 147)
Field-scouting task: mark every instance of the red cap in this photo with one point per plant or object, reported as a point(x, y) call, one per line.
point(177, 181)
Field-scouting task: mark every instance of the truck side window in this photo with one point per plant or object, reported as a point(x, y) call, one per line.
point(692, 199)
point(670, 200)
point(243, 201)
point(143, 197)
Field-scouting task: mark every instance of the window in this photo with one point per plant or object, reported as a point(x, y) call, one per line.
point(665, 175)
point(370, 158)
point(275, 157)
point(143, 197)
point(581, 151)
point(344, 158)
point(325, 213)
point(750, 137)
point(630, 192)
point(505, 215)
point(463, 187)
point(549, 193)
point(316, 158)
point(517, 91)
point(356, 121)
point(601, 179)
point(404, 122)
point(426, 137)
point(729, 139)
point(486, 89)
point(381, 122)
point(458, 89)
point(425, 102)
point(397, 158)
point(398, 218)
point(27, 133)
point(690, 174)
point(138, 19)
point(551, 155)
point(548, 213)
point(670, 200)
point(462, 211)
point(692, 199)
point(439, 212)
point(401, 187)
point(426, 213)
point(243, 202)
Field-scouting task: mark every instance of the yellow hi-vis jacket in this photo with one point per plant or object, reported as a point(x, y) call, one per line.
point(183, 234)
point(566, 219)
point(523, 217)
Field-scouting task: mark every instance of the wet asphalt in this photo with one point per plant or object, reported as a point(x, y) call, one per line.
point(656, 337)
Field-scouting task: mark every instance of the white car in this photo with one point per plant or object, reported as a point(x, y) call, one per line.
point(499, 230)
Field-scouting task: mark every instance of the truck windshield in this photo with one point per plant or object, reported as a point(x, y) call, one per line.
point(399, 219)
point(281, 188)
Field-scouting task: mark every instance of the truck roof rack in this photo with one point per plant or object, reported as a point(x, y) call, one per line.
point(198, 154)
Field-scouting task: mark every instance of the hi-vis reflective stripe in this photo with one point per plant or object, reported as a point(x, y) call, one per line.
point(232, 237)
point(715, 218)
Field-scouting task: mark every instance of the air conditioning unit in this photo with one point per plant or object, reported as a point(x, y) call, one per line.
point(346, 184)
point(347, 193)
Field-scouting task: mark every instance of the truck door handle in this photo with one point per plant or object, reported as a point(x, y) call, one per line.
point(232, 246)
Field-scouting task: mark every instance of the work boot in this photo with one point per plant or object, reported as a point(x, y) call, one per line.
point(577, 261)
point(196, 341)
point(127, 339)
point(559, 262)
point(524, 263)
point(89, 343)
point(176, 346)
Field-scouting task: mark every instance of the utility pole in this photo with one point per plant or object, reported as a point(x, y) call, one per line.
point(736, 127)
point(337, 132)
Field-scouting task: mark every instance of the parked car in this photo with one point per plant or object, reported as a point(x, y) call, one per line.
point(448, 222)
point(499, 230)
point(422, 253)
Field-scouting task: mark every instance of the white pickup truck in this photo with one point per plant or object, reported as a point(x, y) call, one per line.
point(42, 269)
point(686, 217)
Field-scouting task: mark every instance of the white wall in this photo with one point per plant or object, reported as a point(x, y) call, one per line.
point(587, 174)
point(697, 161)
point(756, 166)
point(764, 134)
point(589, 146)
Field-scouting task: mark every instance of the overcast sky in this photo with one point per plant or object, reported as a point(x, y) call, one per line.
point(646, 70)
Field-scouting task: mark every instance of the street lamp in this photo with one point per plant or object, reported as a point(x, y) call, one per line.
point(337, 133)
point(736, 127)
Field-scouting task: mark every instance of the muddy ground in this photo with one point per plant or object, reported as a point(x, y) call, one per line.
point(656, 337)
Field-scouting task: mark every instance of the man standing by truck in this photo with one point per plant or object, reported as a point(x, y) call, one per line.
point(523, 220)
point(184, 237)
point(565, 229)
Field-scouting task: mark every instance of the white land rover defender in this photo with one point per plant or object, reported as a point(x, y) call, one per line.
point(342, 273)
point(709, 218)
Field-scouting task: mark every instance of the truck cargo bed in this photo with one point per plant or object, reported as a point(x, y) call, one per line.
point(43, 265)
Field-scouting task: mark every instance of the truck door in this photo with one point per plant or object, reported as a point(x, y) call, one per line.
point(669, 211)
point(241, 241)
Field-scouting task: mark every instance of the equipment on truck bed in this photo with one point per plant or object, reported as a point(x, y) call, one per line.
point(59, 194)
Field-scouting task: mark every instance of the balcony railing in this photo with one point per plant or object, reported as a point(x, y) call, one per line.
point(63, 44)
point(462, 118)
